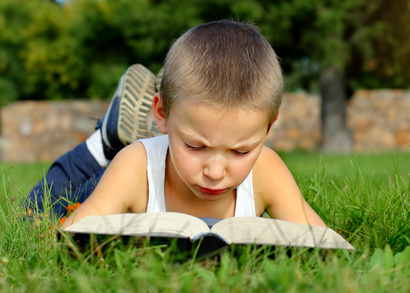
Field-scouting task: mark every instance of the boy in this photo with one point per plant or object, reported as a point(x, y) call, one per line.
point(219, 96)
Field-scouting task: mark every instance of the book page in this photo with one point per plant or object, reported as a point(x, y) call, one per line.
point(243, 230)
point(151, 224)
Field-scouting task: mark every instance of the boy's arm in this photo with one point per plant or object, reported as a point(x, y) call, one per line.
point(123, 187)
point(276, 189)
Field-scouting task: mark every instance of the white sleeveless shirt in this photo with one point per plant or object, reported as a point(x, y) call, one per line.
point(156, 149)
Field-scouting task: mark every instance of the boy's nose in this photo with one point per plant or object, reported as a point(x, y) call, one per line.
point(215, 169)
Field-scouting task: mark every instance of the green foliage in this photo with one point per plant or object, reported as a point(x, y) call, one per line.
point(80, 48)
point(369, 195)
point(365, 40)
point(8, 91)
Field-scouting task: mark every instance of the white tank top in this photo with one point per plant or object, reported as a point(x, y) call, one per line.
point(156, 149)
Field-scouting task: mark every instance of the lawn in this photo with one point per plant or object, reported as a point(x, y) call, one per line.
point(363, 197)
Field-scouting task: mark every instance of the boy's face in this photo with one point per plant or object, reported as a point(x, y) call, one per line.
point(213, 150)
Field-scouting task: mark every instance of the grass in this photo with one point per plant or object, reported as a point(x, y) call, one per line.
point(363, 197)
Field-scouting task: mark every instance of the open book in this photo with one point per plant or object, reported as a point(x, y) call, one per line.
point(236, 230)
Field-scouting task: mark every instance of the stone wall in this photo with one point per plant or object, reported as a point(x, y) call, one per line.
point(380, 120)
point(298, 126)
point(42, 131)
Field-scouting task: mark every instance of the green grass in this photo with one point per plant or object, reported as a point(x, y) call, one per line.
point(363, 197)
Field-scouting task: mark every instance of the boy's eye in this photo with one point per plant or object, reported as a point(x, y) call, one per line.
point(193, 148)
point(240, 153)
point(198, 148)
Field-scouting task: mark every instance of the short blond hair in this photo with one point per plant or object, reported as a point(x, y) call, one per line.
point(224, 63)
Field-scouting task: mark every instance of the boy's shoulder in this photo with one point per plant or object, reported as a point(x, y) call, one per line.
point(144, 145)
point(269, 174)
point(267, 160)
point(131, 156)
point(155, 149)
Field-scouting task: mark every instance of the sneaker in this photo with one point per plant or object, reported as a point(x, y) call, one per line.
point(127, 117)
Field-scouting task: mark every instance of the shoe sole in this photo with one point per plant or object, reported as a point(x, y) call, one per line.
point(135, 104)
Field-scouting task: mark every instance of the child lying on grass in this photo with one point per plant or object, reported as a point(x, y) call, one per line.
point(218, 98)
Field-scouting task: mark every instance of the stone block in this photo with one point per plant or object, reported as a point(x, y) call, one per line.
point(43, 130)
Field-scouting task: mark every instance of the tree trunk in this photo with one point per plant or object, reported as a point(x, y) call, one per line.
point(336, 137)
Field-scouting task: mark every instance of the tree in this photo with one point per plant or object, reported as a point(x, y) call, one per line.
point(80, 48)
point(348, 41)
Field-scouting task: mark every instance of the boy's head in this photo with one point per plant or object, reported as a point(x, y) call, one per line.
point(226, 64)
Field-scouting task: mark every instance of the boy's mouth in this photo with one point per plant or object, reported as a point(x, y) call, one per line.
point(211, 191)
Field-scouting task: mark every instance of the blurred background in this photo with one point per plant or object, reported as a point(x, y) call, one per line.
point(346, 66)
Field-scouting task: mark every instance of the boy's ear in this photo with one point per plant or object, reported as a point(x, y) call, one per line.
point(274, 120)
point(159, 113)
point(276, 117)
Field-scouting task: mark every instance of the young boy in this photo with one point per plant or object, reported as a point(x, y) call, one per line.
point(219, 96)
